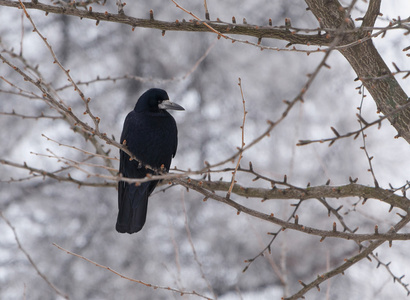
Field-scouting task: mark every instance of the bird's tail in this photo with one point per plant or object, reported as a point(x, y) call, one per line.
point(132, 205)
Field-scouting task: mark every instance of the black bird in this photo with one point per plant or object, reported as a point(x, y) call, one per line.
point(150, 134)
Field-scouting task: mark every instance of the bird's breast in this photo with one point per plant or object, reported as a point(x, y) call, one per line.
point(153, 139)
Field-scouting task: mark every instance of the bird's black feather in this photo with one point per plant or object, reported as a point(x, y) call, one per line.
point(150, 134)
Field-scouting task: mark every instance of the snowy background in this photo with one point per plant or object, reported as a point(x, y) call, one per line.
point(83, 219)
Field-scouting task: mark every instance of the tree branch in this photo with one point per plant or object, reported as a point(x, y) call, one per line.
point(367, 63)
point(348, 263)
point(294, 226)
point(281, 32)
point(372, 13)
point(343, 191)
point(33, 264)
point(153, 286)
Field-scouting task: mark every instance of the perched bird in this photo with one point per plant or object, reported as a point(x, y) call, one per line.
point(150, 134)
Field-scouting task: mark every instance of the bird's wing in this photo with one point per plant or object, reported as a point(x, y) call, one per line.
point(175, 142)
point(152, 139)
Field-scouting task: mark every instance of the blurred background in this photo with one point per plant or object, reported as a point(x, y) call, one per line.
point(82, 220)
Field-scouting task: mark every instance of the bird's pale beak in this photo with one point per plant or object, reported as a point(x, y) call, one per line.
point(166, 104)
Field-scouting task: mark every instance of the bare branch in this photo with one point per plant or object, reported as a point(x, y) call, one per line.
point(200, 26)
point(95, 119)
point(275, 235)
point(240, 149)
point(194, 252)
point(357, 132)
point(153, 286)
point(41, 116)
point(369, 159)
point(348, 262)
point(372, 13)
point(33, 264)
point(288, 225)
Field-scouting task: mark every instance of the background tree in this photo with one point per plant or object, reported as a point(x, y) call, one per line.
point(67, 86)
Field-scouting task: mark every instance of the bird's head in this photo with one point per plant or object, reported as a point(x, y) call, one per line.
point(154, 100)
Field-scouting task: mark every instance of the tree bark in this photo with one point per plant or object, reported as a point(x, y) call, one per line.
point(366, 61)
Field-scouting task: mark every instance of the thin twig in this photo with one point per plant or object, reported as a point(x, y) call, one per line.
point(355, 133)
point(33, 264)
point(268, 247)
point(79, 149)
point(369, 158)
point(153, 286)
point(95, 119)
point(348, 262)
point(145, 79)
point(240, 149)
point(191, 242)
point(42, 116)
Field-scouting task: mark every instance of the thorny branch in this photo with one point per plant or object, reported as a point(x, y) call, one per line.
point(204, 187)
point(284, 32)
point(369, 158)
point(364, 125)
point(67, 72)
point(240, 149)
point(153, 286)
point(88, 131)
point(143, 79)
point(347, 264)
point(217, 27)
point(275, 235)
point(336, 213)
